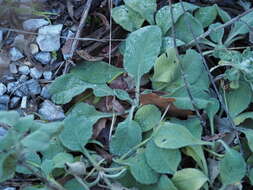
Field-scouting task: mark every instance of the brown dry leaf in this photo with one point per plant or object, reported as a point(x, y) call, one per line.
point(86, 56)
point(98, 127)
point(163, 102)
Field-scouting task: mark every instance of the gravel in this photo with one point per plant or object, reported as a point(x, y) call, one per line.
point(4, 100)
point(3, 132)
point(34, 87)
point(47, 75)
point(49, 37)
point(50, 111)
point(13, 68)
point(43, 57)
point(24, 70)
point(34, 24)
point(35, 73)
point(1, 36)
point(15, 54)
point(34, 48)
point(45, 92)
point(15, 101)
point(3, 89)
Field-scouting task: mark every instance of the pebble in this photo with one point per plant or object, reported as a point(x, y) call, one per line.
point(1, 36)
point(15, 102)
point(33, 86)
point(23, 102)
point(15, 54)
point(47, 75)
point(35, 73)
point(34, 48)
point(43, 57)
point(24, 70)
point(3, 132)
point(50, 111)
point(34, 24)
point(49, 37)
point(23, 78)
point(3, 107)
point(45, 92)
point(13, 68)
point(18, 88)
point(10, 188)
point(4, 100)
point(3, 89)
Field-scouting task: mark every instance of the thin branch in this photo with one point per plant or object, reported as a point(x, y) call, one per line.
point(230, 22)
point(182, 68)
point(80, 28)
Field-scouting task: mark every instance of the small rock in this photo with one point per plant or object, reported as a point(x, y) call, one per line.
point(19, 42)
point(3, 89)
point(24, 70)
point(3, 132)
point(28, 63)
point(13, 68)
point(3, 107)
point(49, 37)
point(18, 89)
point(15, 102)
point(48, 75)
point(1, 36)
point(33, 86)
point(4, 100)
point(15, 54)
point(10, 188)
point(34, 24)
point(45, 92)
point(43, 57)
point(11, 86)
point(23, 102)
point(35, 73)
point(50, 111)
point(34, 48)
point(22, 78)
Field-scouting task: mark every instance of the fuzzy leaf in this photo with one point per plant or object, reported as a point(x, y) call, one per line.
point(173, 136)
point(164, 161)
point(142, 49)
point(146, 8)
point(127, 18)
point(189, 179)
point(206, 15)
point(127, 135)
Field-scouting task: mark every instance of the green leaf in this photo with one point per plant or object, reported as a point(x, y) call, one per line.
point(148, 116)
point(249, 135)
point(61, 158)
point(127, 18)
point(238, 95)
point(163, 16)
point(8, 162)
point(189, 179)
point(76, 133)
point(232, 166)
point(141, 171)
point(65, 87)
point(206, 15)
point(168, 43)
point(53, 149)
point(142, 49)
point(182, 28)
point(127, 135)
point(216, 35)
point(94, 72)
point(47, 166)
point(225, 17)
point(242, 117)
point(164, 183)
point(36, 141)
point(173, 136)
point(33, 160)
point(73, 184)
point(146, 8)
point(9, 117)
point(166, 68)
point(241, 27)
point(251, 176)
point(164, 161)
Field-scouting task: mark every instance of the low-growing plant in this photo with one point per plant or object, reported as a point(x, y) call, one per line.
point(150, 149)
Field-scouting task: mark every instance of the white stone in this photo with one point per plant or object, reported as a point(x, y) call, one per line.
point(49, 37)
point(34, 24)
